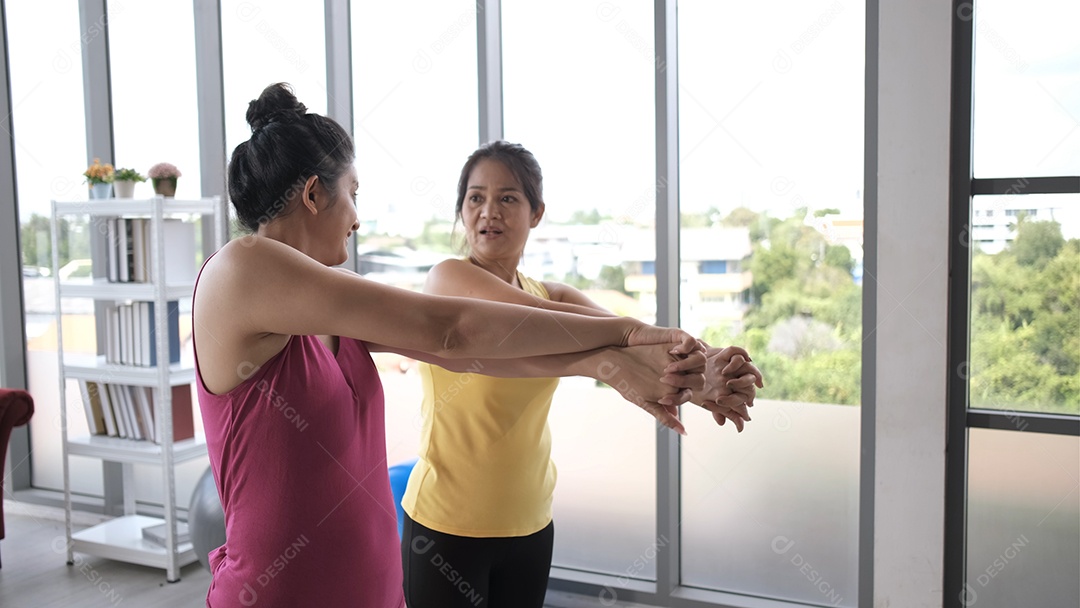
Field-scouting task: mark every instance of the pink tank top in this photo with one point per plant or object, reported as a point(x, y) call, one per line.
point(298, 452)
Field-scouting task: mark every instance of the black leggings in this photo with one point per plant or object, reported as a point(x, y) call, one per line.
point(447, 571)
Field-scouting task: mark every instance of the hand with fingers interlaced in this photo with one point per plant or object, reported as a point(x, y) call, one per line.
point(731, 383)
point(633, 371)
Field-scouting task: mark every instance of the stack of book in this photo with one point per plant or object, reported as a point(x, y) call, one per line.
point(119, 410)
point(132, 336)
point(129, 250)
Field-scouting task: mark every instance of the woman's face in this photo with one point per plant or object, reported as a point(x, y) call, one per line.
point(495, 213)
point(338, 219)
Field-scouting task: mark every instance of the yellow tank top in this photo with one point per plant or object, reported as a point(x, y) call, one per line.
point(485, 465)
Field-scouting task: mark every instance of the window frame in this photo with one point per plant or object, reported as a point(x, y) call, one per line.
point(963, 189)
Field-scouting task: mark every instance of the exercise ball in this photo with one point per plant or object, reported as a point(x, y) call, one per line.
point(206, 519)
point(399, 478)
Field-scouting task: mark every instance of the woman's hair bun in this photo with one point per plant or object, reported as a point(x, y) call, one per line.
point(276, 104)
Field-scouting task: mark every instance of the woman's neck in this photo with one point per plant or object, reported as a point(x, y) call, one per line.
point(279, 231)
point(504, 269)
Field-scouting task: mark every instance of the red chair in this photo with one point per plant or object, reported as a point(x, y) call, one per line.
point(16, 408)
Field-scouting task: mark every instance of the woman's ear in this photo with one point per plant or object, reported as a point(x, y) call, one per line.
point(307, 196)
point(537, 215)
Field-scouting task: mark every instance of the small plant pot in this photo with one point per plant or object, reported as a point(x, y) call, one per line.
point(165, 186)
point(124, 188)
point(100, 191)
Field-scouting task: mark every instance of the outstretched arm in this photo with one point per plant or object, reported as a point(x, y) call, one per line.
point(729, 375)
point(282, 291)
point(635, 372)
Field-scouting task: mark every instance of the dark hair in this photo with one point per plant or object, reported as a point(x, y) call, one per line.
point(287, 146)
point(517, 159)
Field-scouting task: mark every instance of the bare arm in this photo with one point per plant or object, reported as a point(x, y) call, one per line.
point(460, 278)
point(279, 290)
point(629, 371)
point(632, 371)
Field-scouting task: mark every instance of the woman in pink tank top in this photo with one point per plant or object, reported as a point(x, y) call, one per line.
point(290, 399)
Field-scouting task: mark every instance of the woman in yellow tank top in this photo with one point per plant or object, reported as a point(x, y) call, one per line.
point(478, 528)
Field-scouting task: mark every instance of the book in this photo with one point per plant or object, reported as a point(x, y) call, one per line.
point(107, 410)
point(130, 246)
point(156, 533)
point(145, 407)
point(95, 420)
point(182, 413)
point(179, 252)
point(112, 334)
point(136, 412)
point(124, 392)
point(126, 328)
point(124, 248)
point(172, 322)
point(140, 260)
point(118, 410)
point(111, 249)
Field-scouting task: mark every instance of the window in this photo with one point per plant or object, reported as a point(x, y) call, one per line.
point(47, 107)
point(713, 267)
point(1015, 401)
point(585, 108)
point(153, 91)
point(267, 42)
point(415, 123)
point(776, 184)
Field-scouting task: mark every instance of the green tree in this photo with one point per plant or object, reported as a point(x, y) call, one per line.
point(436, 236)
point(1036, 243)
point(612, 277)
point(740, 217)
point(35, 238)
point(694, 220)
point(589, 218)
point(770, 267)
point(804, 325)
point(839, 256)
point(36, 243)
point(1025, 323)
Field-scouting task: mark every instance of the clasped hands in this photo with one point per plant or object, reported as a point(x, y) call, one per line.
point(723, 381)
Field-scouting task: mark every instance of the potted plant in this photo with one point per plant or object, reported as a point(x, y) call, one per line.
point(124, 182)
point(163, 176)
point(100, 177)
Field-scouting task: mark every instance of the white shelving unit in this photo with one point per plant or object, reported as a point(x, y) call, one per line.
point(121, 538)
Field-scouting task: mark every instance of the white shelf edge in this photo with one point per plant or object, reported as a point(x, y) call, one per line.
point(102, 289)
point(87, 367)
point(136, 207)
point(134, 451)
point(121, 539)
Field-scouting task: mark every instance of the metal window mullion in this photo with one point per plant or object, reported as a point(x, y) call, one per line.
point(489, 69)
point(1024, 422)
point(668, 480)
point(12, 327)
point(339, 84)
point(97, 81)
point(210, 92)
point(100, 143)
point(1025, 185)
point(958, 316)
point(868, 380)
point(339, 93)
